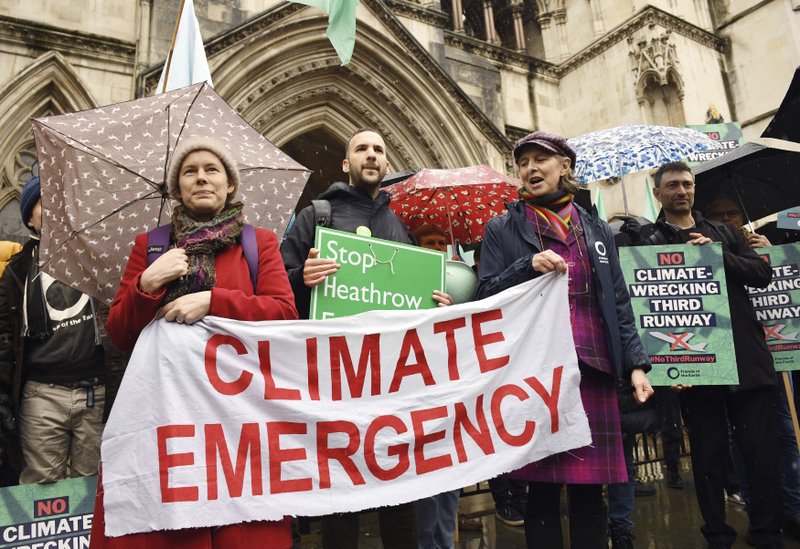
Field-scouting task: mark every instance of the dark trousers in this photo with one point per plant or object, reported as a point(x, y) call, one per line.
point(752, 416)
point(398, 528)
point(671, 431)
point(506, 491)
point(587, 516)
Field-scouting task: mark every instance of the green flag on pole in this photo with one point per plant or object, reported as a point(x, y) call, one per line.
point(598, 204)
point(651, 206)
point(341, 24)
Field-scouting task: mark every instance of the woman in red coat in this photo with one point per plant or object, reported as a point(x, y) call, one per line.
point(205, 273)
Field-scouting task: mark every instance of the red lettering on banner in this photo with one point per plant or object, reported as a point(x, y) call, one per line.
point(249, 445)
point(278, 455)
point(167, 461)
point(404, 369)
point(481, 340)
point(271, 390)
point(399, 450)
point(313, 371)
point(423, 464)
point(225, 387)
point(480, 435)
point(449, 327)
point(343, 455)
point(551, 398)
point(497, 416)
point(369, 359)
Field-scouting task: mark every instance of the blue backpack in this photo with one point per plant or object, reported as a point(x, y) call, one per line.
point(158, 243)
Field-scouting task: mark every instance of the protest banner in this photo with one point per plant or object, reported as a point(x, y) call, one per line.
point(680, 303)
point(778, 305)
point(728, 134)
point(789, 219)
point(374, 274)
point(227, 421)
point(48, 515)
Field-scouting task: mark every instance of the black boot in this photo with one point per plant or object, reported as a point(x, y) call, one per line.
point(621, 537)
point(588, 531)
point(543, 533)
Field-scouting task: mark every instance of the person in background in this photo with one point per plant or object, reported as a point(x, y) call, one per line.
point(546, 232)
point(726, 210)
point(205, 272)
point(750, 406)
point(52, 364)
point(358, 203)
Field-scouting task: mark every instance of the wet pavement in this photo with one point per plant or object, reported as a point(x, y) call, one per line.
point(669, 519)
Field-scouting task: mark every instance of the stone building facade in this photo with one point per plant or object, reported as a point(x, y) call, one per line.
point(449, 82)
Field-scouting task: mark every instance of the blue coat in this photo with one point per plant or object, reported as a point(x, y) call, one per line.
point(509, 244)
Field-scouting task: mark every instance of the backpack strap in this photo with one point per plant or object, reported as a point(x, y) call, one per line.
point(250, 249)
point(322, 212)
point(158, 244)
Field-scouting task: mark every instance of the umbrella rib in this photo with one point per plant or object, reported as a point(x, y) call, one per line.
point(183, 126)
point(75, 233)
point(93, 152)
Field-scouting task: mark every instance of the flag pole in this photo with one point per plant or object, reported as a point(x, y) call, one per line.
point(172, 45)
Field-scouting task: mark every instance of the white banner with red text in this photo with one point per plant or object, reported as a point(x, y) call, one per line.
point(228, 421)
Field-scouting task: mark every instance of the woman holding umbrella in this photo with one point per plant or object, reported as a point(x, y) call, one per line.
point(206, 272)
point(546, 232)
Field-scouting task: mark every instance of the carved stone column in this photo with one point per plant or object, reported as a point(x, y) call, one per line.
point(597, 18)
point(560, 17)
point(488, 21)
point(519, 29)
point(142, 38)
point(548, 36)
point(458, 16)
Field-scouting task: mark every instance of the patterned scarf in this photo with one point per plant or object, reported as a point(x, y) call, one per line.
point(202, 241)
point(555, 208)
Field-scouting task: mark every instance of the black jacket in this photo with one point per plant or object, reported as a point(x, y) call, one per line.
point(350, 209)
point(743, 268)
point(509, 243)
point(12, 342)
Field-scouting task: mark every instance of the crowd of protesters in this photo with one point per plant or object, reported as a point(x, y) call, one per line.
point(59, 370)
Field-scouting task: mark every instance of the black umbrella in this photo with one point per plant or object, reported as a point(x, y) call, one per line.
point(762, 180)
point(784, 124)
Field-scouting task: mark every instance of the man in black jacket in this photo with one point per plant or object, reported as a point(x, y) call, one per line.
point(750, 406)
point(52, 362)
point(357, 205)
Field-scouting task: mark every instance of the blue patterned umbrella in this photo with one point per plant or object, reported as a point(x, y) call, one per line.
point(614, 152)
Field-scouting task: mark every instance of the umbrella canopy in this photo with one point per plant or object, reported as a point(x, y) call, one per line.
point(763, 180)
point(103, 173)
point(784, 123)
point(460, 201)
point(614, 152)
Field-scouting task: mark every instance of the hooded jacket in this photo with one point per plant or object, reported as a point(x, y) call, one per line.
point(509, 244)
point(350, 209)
point(743, 267)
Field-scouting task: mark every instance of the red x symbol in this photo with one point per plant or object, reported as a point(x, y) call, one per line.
point(679, 341)
point(772, 332)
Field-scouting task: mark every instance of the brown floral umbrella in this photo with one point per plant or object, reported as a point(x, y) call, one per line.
point(103, 170)
point(460, 201)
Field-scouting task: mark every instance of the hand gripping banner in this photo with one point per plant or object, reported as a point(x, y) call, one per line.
point(227, 421)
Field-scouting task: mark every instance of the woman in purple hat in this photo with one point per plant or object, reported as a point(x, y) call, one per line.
point(542, 232)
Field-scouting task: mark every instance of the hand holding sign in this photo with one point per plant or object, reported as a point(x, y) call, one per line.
point(698, 239)
point(316, 269)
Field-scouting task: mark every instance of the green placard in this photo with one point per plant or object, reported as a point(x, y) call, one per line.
point(728, 134)
point(680, 303)
point(60, 513)
point(375, 274)
point(778, 305)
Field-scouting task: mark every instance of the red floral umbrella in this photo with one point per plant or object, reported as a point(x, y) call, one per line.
point(461, 201)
